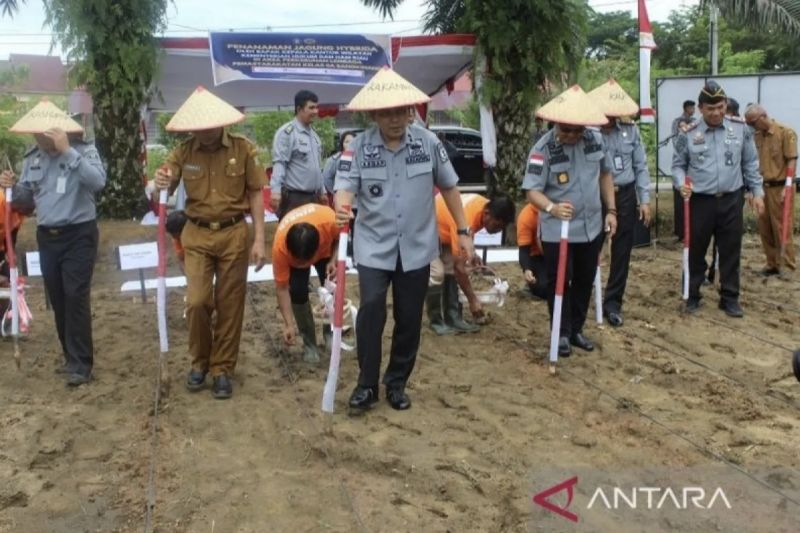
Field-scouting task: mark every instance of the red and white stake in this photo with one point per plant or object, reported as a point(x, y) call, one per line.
point(788, 197)
point(555, 332)
point(11, 258)
point(161, 290)
point(686, 241)
point(598, 294)
point(329, 391)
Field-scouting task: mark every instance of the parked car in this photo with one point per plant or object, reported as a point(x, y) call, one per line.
point(468, 157)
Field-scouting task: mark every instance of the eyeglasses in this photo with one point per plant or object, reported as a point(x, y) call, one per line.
point(755, 120)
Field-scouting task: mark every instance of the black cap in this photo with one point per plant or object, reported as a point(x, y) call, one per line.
point(711, 93)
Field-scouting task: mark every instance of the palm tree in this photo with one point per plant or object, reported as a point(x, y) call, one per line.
point(9, 7)
point(527, 44)
point(781, 14)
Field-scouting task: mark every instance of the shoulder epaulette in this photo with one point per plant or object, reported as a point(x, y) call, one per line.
point(289, 128)
point(740, 120)
point(33, 149)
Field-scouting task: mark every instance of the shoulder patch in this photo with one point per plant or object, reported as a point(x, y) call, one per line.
point(536, 164)
point(442, 153)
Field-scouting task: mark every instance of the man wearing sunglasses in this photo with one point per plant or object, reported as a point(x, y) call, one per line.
point(719, 155)
point(777, 151)
point(568, 174)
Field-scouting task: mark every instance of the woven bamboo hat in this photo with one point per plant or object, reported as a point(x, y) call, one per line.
point(204, 111)
point(387, 89)
point(613, 100)
point(45, 116)
point(573, 107)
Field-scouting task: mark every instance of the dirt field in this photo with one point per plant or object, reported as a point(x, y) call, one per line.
point(489, 427)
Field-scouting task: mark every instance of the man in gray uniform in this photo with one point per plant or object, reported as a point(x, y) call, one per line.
point(297, 159)
point(393, 168)
point(60, 178)
point(720, 156)
point(631, 181)
point(567, 175)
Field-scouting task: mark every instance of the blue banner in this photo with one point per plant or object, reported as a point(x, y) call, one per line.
point(349, 59)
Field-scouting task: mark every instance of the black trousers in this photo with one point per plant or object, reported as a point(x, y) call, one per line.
point(299, 278)
point(67, 256)
point(621, 246)
point(408, 293)
point(721, 217)
point(581, 268)
point(677, 211)
point(291, 199)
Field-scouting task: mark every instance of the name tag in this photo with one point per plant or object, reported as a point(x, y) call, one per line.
point(618, 163)
point(61, 185)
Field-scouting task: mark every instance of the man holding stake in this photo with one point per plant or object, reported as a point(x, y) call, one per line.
point(393, 168)
point(631, 187)
point(223, 182)
point(568, 174)
point(719, 155)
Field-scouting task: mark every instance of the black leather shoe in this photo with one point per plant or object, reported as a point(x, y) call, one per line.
point(222, 388)
point(196, 380)
point(76, 380)
point(692, 305)
point(731, 308)
point(398, 399)
point(614, 319)
point(580, 340)
point(770, 271)
point(564, 349)
point(363, 398)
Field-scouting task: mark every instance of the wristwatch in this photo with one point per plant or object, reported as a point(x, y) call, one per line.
point(464, 231)
point(549, 207)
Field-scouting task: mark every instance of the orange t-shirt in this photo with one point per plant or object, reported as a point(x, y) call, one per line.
point(473, 204)
point(16, 219)
point(528, 228)
point(321, 217)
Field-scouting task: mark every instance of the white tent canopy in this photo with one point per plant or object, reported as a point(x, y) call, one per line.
point(429, 62)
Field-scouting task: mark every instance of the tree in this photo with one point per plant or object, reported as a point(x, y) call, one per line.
point(113, 46)
point(9, 7)
point(783, 15)
point(528, 44)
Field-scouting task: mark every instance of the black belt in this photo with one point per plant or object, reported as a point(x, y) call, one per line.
point(716, 195)
point(60, 230)
point(774, 183)
point(297, 191)
point(625, 187)
point(217, 224)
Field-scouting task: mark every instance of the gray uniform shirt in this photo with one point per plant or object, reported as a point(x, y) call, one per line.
point(628, 160)
point(62, 188)
point(569, 173)
point(395, 197)
point(329, 172)
point(296, 159)
point(718, 160)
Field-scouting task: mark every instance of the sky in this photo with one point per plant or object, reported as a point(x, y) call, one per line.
point(25, 33)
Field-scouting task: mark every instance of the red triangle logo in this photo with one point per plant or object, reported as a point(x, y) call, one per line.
point(543, 498)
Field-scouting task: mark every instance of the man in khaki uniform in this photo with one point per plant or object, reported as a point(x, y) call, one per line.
point(223, 182)
point(777, 151)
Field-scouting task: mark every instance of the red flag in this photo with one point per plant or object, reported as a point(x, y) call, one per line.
point(645, 28)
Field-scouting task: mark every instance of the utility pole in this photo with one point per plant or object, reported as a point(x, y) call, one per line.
point(714, 39)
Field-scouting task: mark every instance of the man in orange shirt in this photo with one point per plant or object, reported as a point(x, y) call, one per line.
point(307, 235)
point(449, 270)
point(531, 258)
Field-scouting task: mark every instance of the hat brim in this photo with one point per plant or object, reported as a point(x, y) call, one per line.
point(203, 127)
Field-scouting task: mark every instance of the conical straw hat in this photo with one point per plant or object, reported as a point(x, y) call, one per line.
point(613, 100)
point(204, 111)
point(574, 107)
point(387, 89)
point(46, 115)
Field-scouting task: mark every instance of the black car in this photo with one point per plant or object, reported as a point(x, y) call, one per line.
point(466, 153)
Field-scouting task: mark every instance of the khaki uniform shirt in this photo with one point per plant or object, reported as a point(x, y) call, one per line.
point(776, 148)
point(217, 183)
